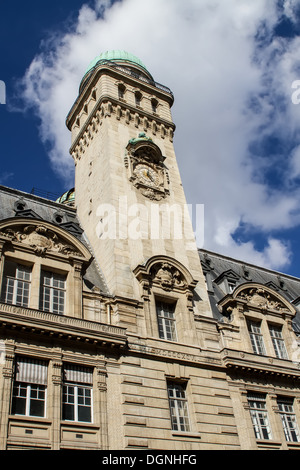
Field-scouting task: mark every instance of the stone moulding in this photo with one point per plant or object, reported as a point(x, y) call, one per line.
point(61, 325)
point(264, 365)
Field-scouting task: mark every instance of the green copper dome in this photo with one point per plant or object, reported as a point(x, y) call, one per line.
point(68, 198)
point(116, 56)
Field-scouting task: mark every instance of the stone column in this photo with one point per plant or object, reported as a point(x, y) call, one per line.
point(76, 295)
point(100, 409)
point(6, 383)
point(55, 384)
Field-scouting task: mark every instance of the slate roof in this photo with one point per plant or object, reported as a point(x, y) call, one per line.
point(216, 267)
point(15, 203)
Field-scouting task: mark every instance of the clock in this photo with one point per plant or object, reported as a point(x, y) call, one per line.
point(146, 169)
point(147, 175)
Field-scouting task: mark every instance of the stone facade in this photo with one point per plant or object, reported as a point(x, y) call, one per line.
point(115, 336)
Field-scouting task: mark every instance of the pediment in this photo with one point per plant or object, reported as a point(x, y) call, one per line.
point(42, 237)
point(258, 296)
point(166, 273)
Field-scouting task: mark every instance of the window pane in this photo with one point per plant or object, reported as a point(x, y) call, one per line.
point(37, 408)
point(68, 412)
point(84, 414)
point(19, 399)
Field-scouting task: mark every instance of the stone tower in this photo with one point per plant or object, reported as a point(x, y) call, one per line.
point(129, 195)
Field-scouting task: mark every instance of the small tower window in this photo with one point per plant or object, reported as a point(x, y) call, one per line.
point(154, 105)
point(121, 91)
point(138, 98)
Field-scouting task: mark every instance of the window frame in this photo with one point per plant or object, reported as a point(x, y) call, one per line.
point(53, 291)
point(76, 405)
point(278, 341)
point(177, 404)
point(256, 337)
point(259, 416)
point(288, 419)
point(29, 399)
point(16, 283)
point(166, 324)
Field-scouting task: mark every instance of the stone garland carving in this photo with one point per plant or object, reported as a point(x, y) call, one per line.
point(261, 298)
point(40, 239)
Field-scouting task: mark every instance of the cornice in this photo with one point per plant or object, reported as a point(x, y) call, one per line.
point(61, 326)
point(266, 366)
point(107, 106)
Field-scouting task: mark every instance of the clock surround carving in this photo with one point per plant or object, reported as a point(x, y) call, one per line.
point(146, 170)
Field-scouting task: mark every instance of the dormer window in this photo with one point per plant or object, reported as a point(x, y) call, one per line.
point(231, 285)
point(227, 281)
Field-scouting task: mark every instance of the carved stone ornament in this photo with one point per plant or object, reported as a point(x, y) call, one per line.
point(40, 239)
point(261, 298)
point(167, 276)
point(146, 170)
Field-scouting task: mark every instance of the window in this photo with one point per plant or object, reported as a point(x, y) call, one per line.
point(16, 284)
point(166, 320)
point(29, 390)
point(154, 105)
point(259, 415)
point(121, 91)
point(256, 338)
point(178, 407)
point(28, 399)
point(278, 342)
point(138, 98)
point(288, 419)
point(52, 292)
point(77, 394)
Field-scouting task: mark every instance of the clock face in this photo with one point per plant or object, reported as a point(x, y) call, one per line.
point(147, 175)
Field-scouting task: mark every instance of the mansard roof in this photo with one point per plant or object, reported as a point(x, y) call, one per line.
point(216, 267)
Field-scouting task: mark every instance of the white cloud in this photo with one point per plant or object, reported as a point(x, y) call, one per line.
point(232, 83)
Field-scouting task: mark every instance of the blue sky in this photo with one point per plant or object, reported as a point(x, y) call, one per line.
point(231, 65)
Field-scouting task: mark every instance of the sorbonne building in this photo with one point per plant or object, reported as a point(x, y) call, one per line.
point(115, 335)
